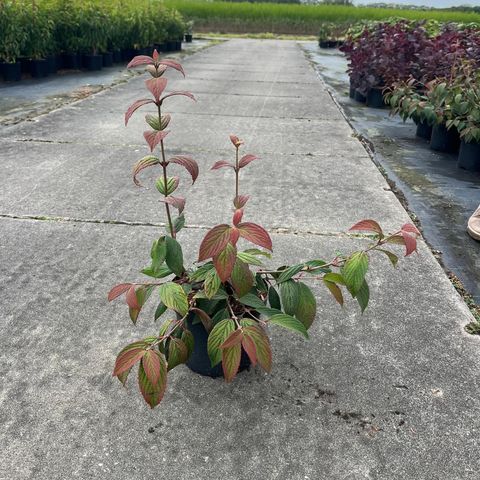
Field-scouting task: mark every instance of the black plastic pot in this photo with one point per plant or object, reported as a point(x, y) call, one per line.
point(93, 63)
point(375, 98)
point(12, 72)
point(117, 56)
point(444, 140)
point(199, 361)
point(332, 44)
point(469, 156)
point(39, 68)
point(424, 130)
point(25, 64)
point(127, 54)
point(178, 45)
point(71, 61)
point(352, 91)
point(324, 44)
point(52, 64)
point(188, 37)
point(360, 97)
point(107, 59)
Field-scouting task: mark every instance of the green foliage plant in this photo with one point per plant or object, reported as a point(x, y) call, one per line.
point(229, 291)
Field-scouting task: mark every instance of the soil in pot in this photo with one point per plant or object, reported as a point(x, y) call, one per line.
point(12, 72)
point(93, 62)
point(469, 156)
point(199, 361)
point(444, 140)
point(188, 37)
point(39, 68)
point(424, 130)
point(375, 98)
point(360, 97)
point(107, 59)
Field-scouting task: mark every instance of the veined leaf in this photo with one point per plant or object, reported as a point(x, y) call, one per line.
point(160, 310)
point(143, 163)
point(172, 184)
point(215, 241)
point(235, 338)
point(231, 361)
point(188, 163)
point(249, 258)
point(363, 296)
point(334, 277)
point(289, 322)
point(137, 104)
point(224, 261)
point(242, 278)
point(307, 305)
point(174, 256)
point(177, 353)
point(142, 294)
point(173, 296)
point(129, 356)
point(262, 346)
point(368, 226)
point(188, 340)
point(251, 350)
point(289, 272)
point(217, 336)
point(289, 296)
point(151, 365)
point(118, 290)
point(204, 318)
point(153, 392)
point(158, 252)
point(354, 271)
point(391, 256)
point(274, 298)
point(256, 234)
point(335, 290)
point(212, 283)
point(201, 273)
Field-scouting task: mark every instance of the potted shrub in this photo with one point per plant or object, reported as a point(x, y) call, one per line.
point(174, 26)
point(189, 31)
point(68, 34)
point(12, 39)
point(221, 307)
point(465, 107)
point(92, 25)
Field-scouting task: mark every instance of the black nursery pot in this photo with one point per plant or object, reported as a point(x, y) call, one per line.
point(199, 361)
point(71, 61)
point(52, 64)
point(93, 62)
point(188, 37)
point(107, 59)
point(469, 156)
point(39, 68)
point(375, 98)
point(360, 97)
point(324, 44)
point(117, 56)
point(424, 130)
point(444, 140)
point(12, 72)
point(332, 44)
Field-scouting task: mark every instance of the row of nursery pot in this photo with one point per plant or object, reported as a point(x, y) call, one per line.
point(384, 53)
point(40, 37)
point(446, 112)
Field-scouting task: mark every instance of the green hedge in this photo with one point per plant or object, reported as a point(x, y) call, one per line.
point(36, 29)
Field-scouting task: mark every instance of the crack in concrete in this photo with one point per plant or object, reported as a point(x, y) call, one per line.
point(273, 230)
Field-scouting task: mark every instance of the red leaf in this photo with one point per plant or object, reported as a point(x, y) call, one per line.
point(368, 226)
point(156, 86)
point(246, 159)
point(145, 162)
point(153, 392)
point(155, 55)
point(189, 163)
point(131, 298)
point(240, 201)
point(410, 243)
point(172, 64)
point(409, 228)
point(117, 290)
point(231, 361)
point(249, 346)
point(177, 202)
point(140, 60)
point(256, 234)
point(204, 318)
point(215, 240)
point(262, 346)
point(234, 235)
point(237, 216)
point(154, 137)
point(221, 164)
point(151, 365)
point(235, 140)
point(235, 338)
point(224, 261)
point(128, 357)
point(134, 106)
point(186, 94)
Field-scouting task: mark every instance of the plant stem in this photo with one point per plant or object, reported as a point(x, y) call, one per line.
point(237, 171)
point(164, 167)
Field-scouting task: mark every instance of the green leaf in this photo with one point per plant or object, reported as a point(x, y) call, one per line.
point(289, 296)
point(335, 278)
point(231, 361)
point(220, 315)
point(172, 184)
point(249, 258)
point(201, 273)
point(177, 353)
point(260, 283)
point(252, 300)
point(153, 392)
point(391, 256)
point(164, 327)
point(160, 310)
point(212, 283)
point(188, 340)
point(142, 293)
point(258, 252)
point(225, 260)
point(161, 272)
point(307, 305)
point(178, 224)
point(153, 121)
point(289, 272)
point(158, 252)
point(354, 271)
point(242, 278)
point(274, 298)
point(335, 291)
point(363, 296)
point(316, 266)
point(289, 322)
point(217, 336)
point(174, 256)
point(173, 296)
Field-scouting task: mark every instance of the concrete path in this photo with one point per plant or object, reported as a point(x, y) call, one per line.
point(393, 394)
